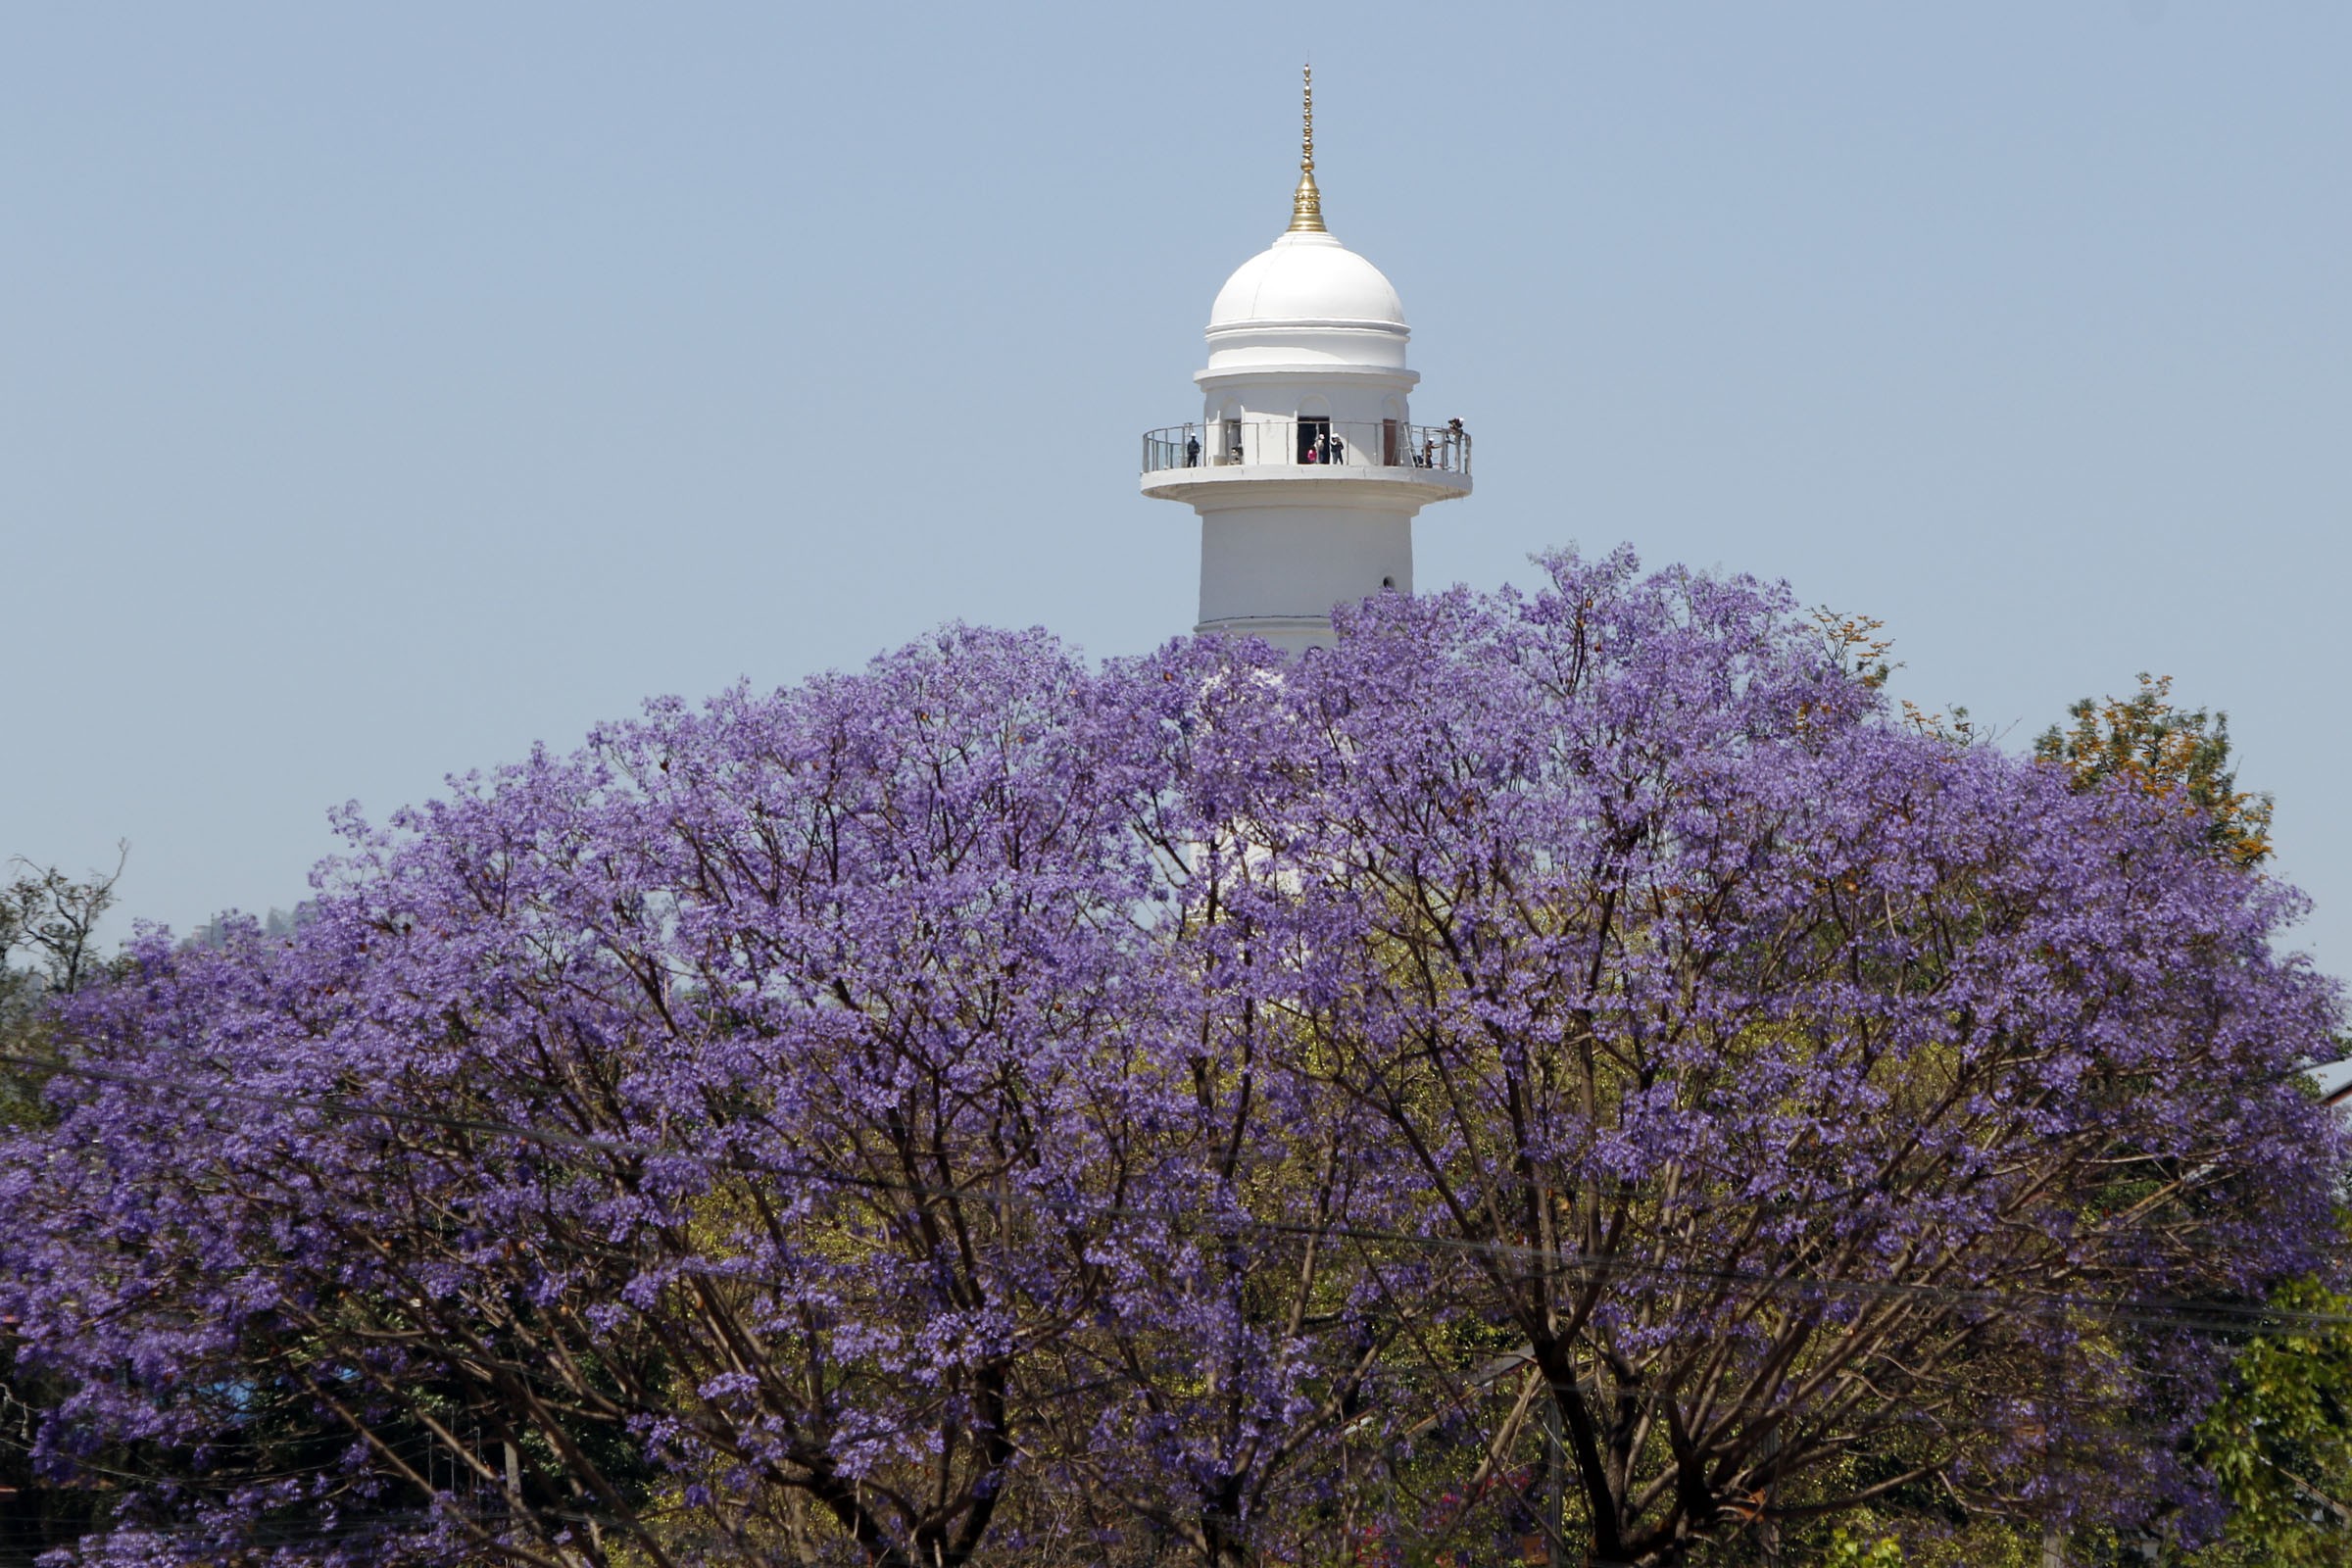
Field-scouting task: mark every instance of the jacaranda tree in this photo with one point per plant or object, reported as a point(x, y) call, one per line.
point(1565, 1064)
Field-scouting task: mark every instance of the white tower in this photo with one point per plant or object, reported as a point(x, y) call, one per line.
point(1306, 466)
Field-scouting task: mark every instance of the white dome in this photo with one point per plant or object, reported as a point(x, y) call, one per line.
point(1306, 278)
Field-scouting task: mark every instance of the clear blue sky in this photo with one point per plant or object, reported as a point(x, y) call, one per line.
point(382, 390)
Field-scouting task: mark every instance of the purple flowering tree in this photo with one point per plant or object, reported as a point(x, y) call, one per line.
point(1830, 1112)
point(1566, 1062)
point(670, 1144)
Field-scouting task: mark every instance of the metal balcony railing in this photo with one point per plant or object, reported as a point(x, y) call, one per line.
point(1308, 443)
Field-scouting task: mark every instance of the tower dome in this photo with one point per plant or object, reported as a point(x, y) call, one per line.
point(1306, 279)
point(1306, 300)
point(1305, 467)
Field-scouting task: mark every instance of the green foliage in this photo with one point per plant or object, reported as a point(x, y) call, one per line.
point(2143, 742)
point(1862, 1548)
point(2280, 1440)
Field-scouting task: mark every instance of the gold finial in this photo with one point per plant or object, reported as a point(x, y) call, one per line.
point(1306, 203)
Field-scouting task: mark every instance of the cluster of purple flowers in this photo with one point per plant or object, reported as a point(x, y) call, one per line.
point(992, 1104)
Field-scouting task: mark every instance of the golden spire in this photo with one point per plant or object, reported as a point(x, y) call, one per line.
point(1306, 203)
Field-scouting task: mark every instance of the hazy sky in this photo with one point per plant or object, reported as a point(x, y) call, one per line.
point(384, 390)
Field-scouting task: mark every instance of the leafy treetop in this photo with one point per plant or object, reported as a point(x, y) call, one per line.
point(2146, 743)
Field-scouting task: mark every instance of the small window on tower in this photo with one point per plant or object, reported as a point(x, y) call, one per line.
point(1314, 440)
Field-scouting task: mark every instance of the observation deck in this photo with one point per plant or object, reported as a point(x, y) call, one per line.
point(1414, 463)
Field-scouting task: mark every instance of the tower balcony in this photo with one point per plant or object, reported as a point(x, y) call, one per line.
point(1192, 462)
